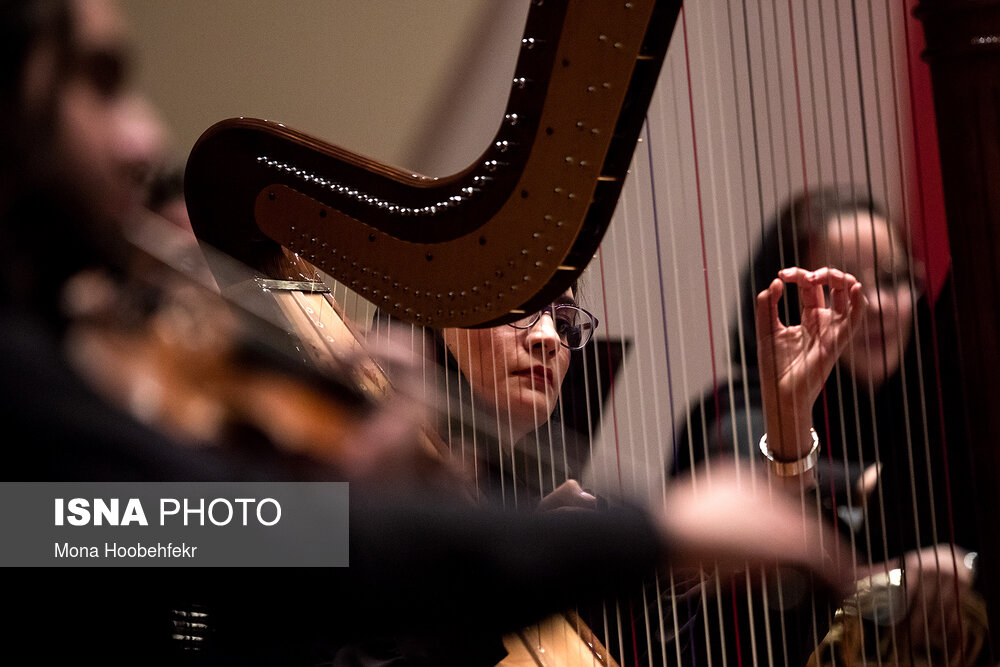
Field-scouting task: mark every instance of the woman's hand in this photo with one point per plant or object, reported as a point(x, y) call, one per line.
point(937, 579)
point(728, 517)
point(566, 496)
point(795, 361)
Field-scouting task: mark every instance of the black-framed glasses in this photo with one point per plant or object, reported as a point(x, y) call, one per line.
point(574, 325)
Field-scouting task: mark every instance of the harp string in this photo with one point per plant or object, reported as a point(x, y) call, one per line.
point(726, 602)
point(936, 356)
point(651, 451)
point(838, 64)
point(924, 611)
point(944, 443)
point(805, 185)
point(671, 222)
point(797, 237)
point(645, 194)
point(883, 138)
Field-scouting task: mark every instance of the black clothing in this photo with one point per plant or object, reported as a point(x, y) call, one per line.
point(925, 440)
point(438, 577)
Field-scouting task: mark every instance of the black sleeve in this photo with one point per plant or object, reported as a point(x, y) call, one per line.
point(419, 566)
point(434, 580)
point(507, 568)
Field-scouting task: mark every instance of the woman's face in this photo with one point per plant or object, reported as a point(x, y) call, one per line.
point(869, 248)
point(518, 371)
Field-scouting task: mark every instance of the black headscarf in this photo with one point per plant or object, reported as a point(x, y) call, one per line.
point(913, 424)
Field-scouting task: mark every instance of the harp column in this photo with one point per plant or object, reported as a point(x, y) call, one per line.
point(963, 51)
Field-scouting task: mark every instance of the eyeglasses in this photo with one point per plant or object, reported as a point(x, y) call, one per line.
point(574, 325)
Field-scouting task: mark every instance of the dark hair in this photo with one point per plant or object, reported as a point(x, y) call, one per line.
point(24, 25)
point(787, 241)
point(25, 144)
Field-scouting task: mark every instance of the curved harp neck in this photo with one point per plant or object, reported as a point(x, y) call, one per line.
point(522, 222)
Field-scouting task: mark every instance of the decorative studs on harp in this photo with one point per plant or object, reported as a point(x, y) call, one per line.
point(606, 40)
point(360, 278)
point(453, 201)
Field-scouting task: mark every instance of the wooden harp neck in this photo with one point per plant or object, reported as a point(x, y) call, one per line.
point(480, 247)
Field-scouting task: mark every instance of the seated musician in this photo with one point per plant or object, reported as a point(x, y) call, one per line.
point(504, 385)
point(71, 171)
point(892, 440)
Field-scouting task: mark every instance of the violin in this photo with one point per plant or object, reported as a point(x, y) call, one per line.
point(162, 342)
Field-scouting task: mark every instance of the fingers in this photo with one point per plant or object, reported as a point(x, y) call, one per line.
point(859, 304)
point(845, 291)
point(846, 297)
point(937, 582)
point(569, 494)
point(709, 521)
point(767, 308)
point(810, 289)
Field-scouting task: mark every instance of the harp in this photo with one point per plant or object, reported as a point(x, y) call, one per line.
point(547, 185)
point(755, 102)
point(522, 222)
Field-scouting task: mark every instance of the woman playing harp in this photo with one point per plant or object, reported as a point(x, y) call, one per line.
point(893, 465)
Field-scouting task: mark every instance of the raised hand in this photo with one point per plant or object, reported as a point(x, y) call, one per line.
point(795, 361)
